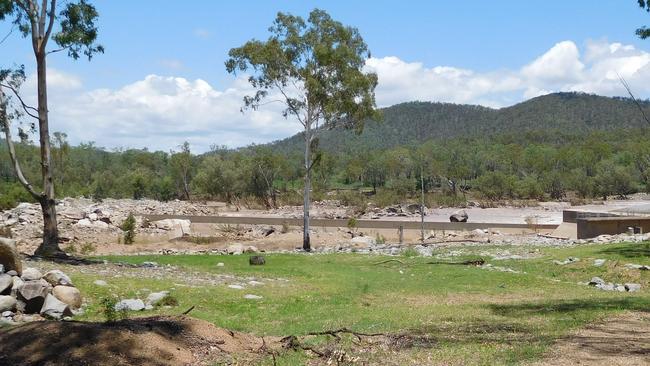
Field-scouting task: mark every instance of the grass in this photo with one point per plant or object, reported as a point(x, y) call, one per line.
point(473, 316)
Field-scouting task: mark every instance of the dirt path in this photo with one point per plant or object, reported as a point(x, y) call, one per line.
point(621, 340)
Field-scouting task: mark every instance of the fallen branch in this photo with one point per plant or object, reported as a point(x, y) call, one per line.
point(188, 310)
point(387, 261)
point(552, 236)
point(474, 262)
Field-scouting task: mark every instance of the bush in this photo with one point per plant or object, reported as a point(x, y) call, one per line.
point(108, 310)
point(128, 226)
point(352, 199)
point(385, 198)
point(496, 185)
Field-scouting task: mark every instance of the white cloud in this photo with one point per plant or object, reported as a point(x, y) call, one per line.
point(161, 112)
point(561, 68)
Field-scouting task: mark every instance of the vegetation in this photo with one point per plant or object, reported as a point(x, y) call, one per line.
point(471, 315)
point(129, 226)
point(317, 68)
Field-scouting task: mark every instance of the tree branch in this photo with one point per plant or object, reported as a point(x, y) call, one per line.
point(629, 91)
point(6, 126)
point(51, 25)
point(24, 105)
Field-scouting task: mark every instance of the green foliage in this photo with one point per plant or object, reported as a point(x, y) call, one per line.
point(352, 223)
point(128, 226)
point(380, 239)
point(409, 252)
point(108, 310)
point(87, 248)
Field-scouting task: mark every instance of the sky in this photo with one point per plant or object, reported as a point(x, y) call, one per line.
point(162, 78)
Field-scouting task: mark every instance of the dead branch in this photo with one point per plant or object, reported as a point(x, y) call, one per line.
point(387, 261)
point(474, 262)
point(188, 310)
point(629, 91)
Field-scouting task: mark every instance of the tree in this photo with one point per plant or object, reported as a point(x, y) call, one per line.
point(76, 34)
point(181, 163)
point(643, 32)
point(317, 69)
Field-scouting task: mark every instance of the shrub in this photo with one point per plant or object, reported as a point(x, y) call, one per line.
point(380, 239)
point(410, 252)
point(128, 226)
point(108, 310)
point(87, 248)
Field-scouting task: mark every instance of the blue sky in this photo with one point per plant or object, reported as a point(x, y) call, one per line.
point(486, 49)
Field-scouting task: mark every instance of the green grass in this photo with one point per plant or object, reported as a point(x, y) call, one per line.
point(474, 316)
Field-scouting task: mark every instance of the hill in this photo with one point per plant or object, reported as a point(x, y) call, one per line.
point(407, 123)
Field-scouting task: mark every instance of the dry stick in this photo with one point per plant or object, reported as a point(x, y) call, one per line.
point(388, 260)
point(629, 91)
point(188, 310)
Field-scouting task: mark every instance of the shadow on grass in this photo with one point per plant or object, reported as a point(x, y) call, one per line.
point(559, 307)
point(639, 250)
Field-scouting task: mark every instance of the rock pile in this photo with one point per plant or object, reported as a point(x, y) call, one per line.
point(154, 298)
point(599, 283)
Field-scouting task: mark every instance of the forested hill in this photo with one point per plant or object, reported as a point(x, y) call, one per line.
point(406, 123)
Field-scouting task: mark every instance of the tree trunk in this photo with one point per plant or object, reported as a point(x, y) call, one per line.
point(306, 245)
point(50, 244)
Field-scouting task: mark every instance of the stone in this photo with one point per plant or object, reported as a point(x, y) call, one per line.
point(155, 297)
point(363, 241)
point(84, 222)
point(17, 285)
point(252, 297)
point(33, 294)
point(177, 227)
point(31, 274)
point(235, 249)
point(68, 295)
point(413, 208)
point(632, 287)
point(130, 305)
point(100, 283)
point(596, 281)
point(12, 273)
point(567, 261)
point(251, 249)
point(7, 303)
point(6, 283)
point(459, 216)
point(2, 268)
point(149, 264)
point(100, 224)
point(257, 260)
point(93, 217)
point(266, 231)
point(220, 264)
point(54, 308)
point(599, 262)
point(236, 287)
point(255, 283)
point(9, 257)
point(56, 277)
point(8, 313)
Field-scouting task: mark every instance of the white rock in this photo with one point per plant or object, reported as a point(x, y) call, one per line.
point(156, 297)
point(220, 264)
point(54, 308)
point(130, 305)
point(31, 274)
point(599, 262)
point(236, 287)
point(84, 222)
point(252, 297)
point(235, 249)
point(632, 287)
point(68, 295)
point(93, 217)
point(7, 303)
point(100, 283)
point(56, 277)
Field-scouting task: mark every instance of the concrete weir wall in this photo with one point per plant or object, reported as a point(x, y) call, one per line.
point(591, 227)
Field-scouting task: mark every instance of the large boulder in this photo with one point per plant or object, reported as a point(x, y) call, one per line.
point(33, 294)
point(363, 241)
point(235, 249)
point(156, 297)
point(31, 274)
point(7, 303)
point(9, 257)
point(54, 308)
point(56, 277)
point(69, 295)
point(17, 285)
point(177, 227)
point(459, 216)
point(6, 282)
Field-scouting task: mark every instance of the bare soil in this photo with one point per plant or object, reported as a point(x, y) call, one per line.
point(157, 341)
point(621, 340)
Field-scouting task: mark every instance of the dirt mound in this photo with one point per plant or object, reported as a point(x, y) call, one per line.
point(159, 341)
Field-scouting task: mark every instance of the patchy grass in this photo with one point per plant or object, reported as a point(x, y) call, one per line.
point(468, 315)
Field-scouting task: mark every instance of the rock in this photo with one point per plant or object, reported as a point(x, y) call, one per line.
point(93, 217)
point(365, 241)
point(17, 285)
point(596, 281)
point(235, 249)
point(252, 297)
point(56, 277)
point(149, 265)
point(178, 228)
point(68, 295)
point(100, 283)
point(155, 297)
point(413, 208)
point(251, 249)
point(130, 305)
point(8, 313)
point(31, 274)
point(255, 283)
point(637, 266)
point(236, 287)
point(599, 262)
point(33, 294)
point(220, 264)
point(7, 303)
point(632, 287)
point(100, 225)
point(9, 257)
point(257, 260)
point(567, 261)
point(266, 231)
point(2, 268)
point(12, 273)
point(54, 308)
point(84, 222)
point(459, 216)
point(6, 282)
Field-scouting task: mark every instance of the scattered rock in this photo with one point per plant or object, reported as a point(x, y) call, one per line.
point(235, 249)
point(364, 241)
point(236, 287)
point(68, 295)
point(7, 303)
point(56, 277)
point(567, 261)
point(100, 283)
point(632, 287)
point(220, 264)
point(149, 264)
point(54, 308)
point(596, 281)
point(251, 249)
point(252, 297)
point(637, 266)
point(599, 262)
point(6, 282)
point(155, 297)
point(130, 305)
point(459, 216)
point(9, 257)
point(599, 283)
point(31, 274)
point(257, 260)
point(33, 294)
